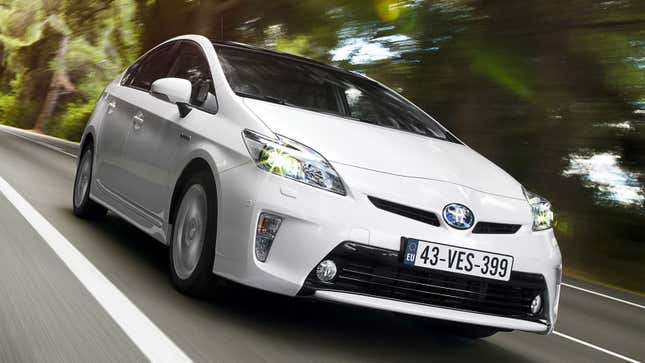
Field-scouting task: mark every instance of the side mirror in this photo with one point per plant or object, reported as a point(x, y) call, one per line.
point(175, 90)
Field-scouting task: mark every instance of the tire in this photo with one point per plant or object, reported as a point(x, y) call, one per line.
point(84, 207)
point(192, 244)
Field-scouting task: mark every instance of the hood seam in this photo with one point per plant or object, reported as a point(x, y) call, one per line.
point(424, 178)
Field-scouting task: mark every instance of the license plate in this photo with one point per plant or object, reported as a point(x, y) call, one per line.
point(457, 259)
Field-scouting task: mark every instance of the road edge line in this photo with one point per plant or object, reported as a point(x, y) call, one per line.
point(40, 135)
point(145, 335)
point(41, 143)
point(603, 295)
point(593, 346)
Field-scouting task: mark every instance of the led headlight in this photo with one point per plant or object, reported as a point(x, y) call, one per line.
point(541, 209)
point(293, 160)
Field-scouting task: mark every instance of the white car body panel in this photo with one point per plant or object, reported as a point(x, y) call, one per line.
point(387, 150)
point(136, 172)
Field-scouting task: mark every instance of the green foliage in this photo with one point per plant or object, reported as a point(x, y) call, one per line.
point(102, 40)
point(7, 103)
point(72, 120)
point(11, 108)
point(299, 45)
point(627, 76)
point(506, 70)
point(21, 24)
point(8, 100)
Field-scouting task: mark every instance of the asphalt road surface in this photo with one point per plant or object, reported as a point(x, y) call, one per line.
point(60, 305)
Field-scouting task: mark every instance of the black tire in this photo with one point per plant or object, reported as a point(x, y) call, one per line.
point(84, 206)
point(201, 282)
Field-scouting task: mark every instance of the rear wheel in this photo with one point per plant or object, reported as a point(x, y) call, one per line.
point(85, 207)
point(192, 247)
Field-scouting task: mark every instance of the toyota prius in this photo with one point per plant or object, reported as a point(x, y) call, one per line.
point(296, 177)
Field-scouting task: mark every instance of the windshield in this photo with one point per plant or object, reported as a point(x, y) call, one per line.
point(306, 85)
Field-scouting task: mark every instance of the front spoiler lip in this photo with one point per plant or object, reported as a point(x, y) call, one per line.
point(431, 311)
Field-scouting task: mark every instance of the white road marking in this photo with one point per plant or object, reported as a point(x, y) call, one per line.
point(607, 351)
point(152, 342)
point(603, 295)
point(41, 143)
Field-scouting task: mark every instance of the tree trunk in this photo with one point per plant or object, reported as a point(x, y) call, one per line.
point(209, 17)
point(59, 80)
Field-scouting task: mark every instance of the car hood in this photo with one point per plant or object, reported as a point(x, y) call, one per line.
point(377, 148)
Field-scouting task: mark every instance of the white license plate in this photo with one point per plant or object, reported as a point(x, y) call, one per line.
point(457, 259)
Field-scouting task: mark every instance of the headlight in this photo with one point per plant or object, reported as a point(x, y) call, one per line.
point(541, 209)
point(292, 160)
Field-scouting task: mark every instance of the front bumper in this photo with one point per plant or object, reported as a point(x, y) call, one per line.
point(377, 273)
point(433, 312)
point(316, 223)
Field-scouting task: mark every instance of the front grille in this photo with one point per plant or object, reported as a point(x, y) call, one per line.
point(495, 228)
point(405, 211)
point(379, 272)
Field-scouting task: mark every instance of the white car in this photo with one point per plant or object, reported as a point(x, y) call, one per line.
point(303, 179)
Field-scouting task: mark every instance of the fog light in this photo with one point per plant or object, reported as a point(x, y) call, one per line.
point(326, 271)
point(268, 225)
point(536, 304)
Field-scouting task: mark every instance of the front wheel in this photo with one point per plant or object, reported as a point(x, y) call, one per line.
point(85, 207)
point(192, 245)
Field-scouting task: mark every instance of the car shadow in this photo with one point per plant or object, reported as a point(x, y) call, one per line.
point(327, 330)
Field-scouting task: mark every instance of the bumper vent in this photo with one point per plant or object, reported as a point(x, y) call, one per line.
point(405, 211)
point(378, 272)
point(495, 228)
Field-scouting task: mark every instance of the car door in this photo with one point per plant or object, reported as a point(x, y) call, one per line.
point(113, 133)
point(144, 131)
point(152, 146)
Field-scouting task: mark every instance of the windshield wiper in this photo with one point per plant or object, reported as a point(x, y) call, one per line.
point(275, 100)
point(272, 99)
point(360, 119)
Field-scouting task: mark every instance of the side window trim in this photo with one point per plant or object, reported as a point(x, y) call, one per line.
point(128, 74)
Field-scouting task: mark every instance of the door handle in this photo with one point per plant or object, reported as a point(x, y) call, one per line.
point(111, 106)
point(138, 121)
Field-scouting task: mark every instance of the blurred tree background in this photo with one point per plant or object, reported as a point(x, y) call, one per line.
point(552, 91)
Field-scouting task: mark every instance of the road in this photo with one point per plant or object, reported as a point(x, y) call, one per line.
point(48, 313)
